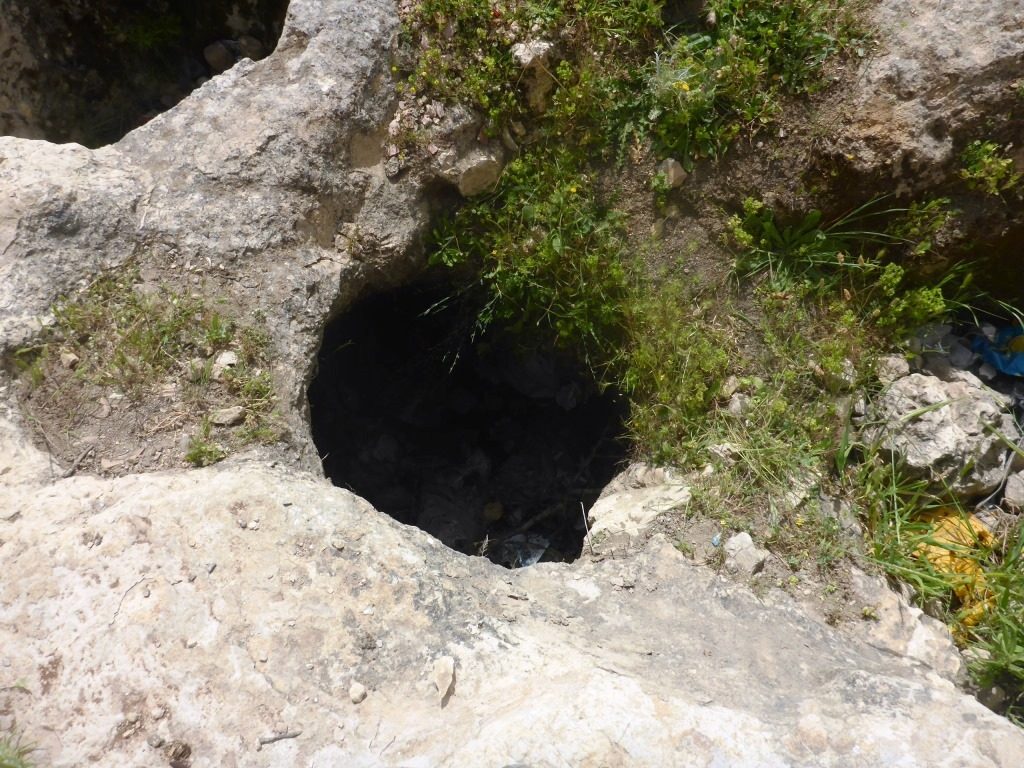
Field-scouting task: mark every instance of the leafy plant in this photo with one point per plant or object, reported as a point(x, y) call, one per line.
point(674, 363)
point(867, 257)
point(705, 87)
point(987, 170)
point(465, 46)
point(548, 256)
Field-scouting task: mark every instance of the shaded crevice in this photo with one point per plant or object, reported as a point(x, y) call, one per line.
point(91, 71)
point(493, 449)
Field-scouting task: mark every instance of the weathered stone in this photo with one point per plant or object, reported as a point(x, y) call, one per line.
point(888, 368)
point(219, 57)
point(534, 57)
point(987, 372)
point(228, 417)
point(634, 499)
point(443, 676)
point(357, 693)
point(900, 628)
point(250, 47)
point(739, 403)
point(742, 556)
point(673, 172)
point(936, 364)
point(478, 173)
point(69, 360)
point(1013, 492)
point(87, 71)
point(277, 154)
point(298, 216)
point(224, 361)
point(941, 70)
point(281, 638)
point(951, 432)
point(961, 356)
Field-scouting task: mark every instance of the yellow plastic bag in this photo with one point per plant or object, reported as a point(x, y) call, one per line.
point(954, 548)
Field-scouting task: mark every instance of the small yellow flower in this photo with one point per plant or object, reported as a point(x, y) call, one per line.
point(572, 189)
point(682, 85)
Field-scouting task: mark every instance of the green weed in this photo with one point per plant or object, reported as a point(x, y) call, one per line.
point(125, 337)
point(202, 452)
point(673, 367)
point(871, 258)
point(137, 340)
point(986, 169)
point(549, 256)
point(14, 752)
point(621, 78)
point(467, 56)
point(705, 87)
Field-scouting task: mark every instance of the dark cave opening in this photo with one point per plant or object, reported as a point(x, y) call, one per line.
point(493, 449)
point(90, 72)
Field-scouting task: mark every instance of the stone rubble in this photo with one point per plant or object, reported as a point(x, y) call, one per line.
point(951, 432)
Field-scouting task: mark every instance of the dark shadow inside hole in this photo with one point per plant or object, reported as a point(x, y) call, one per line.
point(92, 72)
point(494, 450)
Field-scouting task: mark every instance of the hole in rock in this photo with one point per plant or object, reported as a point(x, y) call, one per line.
point(90, 72)
point(492, 449)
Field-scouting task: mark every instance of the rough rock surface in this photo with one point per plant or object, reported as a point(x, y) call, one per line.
point(253, 615)
point(91, 70)
point(234, 615)
point(944, 67)
point(948, 431)
point(265, 187)
point(742, 556)
point(634, 499)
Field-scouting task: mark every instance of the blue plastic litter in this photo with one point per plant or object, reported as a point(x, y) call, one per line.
point(1002, 353)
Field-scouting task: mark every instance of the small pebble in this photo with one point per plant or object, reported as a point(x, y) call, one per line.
point(228, 417)
point(155, 741)
point(987, 372)
point(357, 692)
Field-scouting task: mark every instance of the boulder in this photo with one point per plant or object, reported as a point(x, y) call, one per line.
point(951, 432)
point(1013, 492)
point(157, 628)
point(251, 614)
point(941, 70)
point(889, 368)
point(478, 173)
